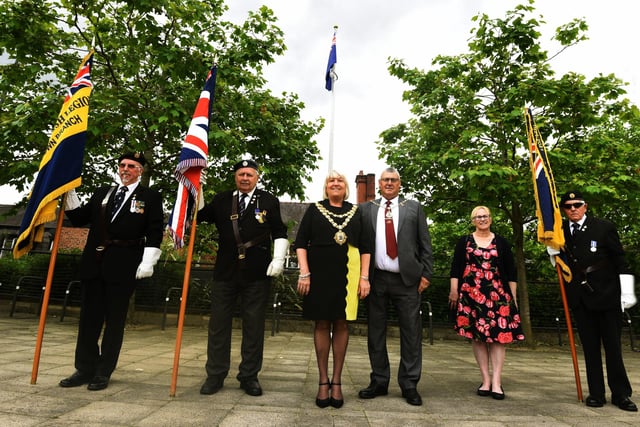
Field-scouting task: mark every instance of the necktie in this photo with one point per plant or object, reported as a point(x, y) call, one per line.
point(390, 234)
point(574, 227)
point(241, 204)
point(117, 201)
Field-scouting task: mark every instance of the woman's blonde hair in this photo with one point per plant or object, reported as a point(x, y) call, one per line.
point(334, 174)
point(477, 208)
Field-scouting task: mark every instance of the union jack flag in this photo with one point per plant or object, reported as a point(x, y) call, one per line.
point(193, 158)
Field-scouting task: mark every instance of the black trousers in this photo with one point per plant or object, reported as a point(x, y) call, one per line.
point(388, 288)
point(103, 304)
point(253, 297)
point(602, 328)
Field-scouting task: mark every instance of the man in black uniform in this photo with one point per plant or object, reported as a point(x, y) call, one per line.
point(598, 267)
point(247, 219)
point(123, 246)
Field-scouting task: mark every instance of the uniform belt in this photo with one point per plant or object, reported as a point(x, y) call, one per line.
point(126, 243)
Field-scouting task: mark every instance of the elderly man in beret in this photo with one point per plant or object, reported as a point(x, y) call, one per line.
point(248, 220)
point(601, 288)
point(122, 247)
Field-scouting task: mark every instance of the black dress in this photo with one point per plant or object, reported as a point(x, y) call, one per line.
point(486, 309)
point(334, 267)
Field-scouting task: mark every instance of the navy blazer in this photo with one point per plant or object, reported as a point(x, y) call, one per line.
point(140, 217)
point(596, 244)
point(415, 255)
point(258, 257)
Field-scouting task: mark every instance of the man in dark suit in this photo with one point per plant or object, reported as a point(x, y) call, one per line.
point(598, 266)
point(401, 269)
point(122, 247)
point(247, 219)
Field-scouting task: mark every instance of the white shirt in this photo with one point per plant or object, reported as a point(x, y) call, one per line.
point(130, 189)
point(383, 262)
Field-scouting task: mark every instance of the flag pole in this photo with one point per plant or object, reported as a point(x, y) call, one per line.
point(47, 293)
point(332, 123)
point(334, 77)
point(183, 301)
point(567, 316)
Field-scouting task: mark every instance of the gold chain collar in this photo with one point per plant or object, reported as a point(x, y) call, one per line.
point(340, 237)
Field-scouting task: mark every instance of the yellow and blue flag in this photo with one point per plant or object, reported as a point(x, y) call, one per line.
point(61, 167)
point(547, 208)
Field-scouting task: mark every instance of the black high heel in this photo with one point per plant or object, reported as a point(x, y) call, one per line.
point(336, 403)
point(323, 403)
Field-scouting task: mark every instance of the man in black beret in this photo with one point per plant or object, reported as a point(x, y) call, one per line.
point(248, 220)
point(599, 270)
point(122, 247)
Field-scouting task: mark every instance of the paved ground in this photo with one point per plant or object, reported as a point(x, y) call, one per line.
point(539, 385)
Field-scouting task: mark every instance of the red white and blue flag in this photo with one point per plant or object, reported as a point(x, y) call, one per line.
point(61, 166)
point(193, 158)
point(333, 58)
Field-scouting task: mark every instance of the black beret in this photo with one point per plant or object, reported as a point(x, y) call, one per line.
point(571, 195)
point(136, 157)
point(245, 164)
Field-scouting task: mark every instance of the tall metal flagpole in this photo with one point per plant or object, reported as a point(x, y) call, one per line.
point(334, 77)
point(332, 122)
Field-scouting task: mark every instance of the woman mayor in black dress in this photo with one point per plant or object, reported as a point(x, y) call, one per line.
point(333, 275)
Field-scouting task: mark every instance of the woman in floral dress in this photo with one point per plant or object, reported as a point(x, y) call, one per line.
point(483, 293)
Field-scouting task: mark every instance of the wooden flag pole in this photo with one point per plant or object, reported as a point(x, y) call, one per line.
point(47, 293)
point(567, 316)
point(183, 301)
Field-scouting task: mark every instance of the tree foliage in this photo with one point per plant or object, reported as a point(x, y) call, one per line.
point(151, 60)
point(466, 142)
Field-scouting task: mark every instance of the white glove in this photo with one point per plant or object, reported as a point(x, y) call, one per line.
point(627, 293)
point(552, 255)
point(71, 201)
point(280, 250)
point(150, 257)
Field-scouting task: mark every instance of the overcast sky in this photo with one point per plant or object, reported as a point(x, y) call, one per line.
point(368, 100)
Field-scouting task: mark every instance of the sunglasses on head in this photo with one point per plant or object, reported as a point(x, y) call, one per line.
point(577, 205)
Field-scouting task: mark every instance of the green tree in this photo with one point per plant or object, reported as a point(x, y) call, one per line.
point(466, 143)
point(151, 61)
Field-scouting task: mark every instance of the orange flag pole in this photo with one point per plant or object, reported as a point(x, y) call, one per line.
point(183, 301)
point(567, 316)
point(47, 293)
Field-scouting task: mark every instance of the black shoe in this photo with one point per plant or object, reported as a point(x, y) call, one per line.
point(98, 382)
point(624, 403)
point(498, 396)
point(373, 390)
point(412, 396)
point(251, 387)
point(323, 403)
point(77, 379)
point(211, 385)
point(595, 402)
point(483, 393)
point(336, 403)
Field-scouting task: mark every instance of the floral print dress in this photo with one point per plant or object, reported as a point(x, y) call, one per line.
point(486, 310)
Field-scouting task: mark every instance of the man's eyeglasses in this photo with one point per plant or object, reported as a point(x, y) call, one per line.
point(392, 180)
point(127, 166)
point(573, 205)
point(481, 217)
